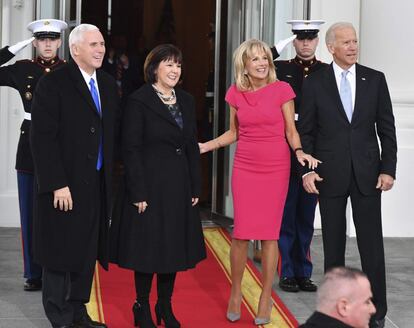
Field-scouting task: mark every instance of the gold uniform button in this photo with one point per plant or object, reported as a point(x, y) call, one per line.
point(306, 69)
point(306, 75)
point(52, 62)
point(47, 70)
point(29, 86)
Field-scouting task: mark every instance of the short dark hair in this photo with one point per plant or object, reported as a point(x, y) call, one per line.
point(163, 52)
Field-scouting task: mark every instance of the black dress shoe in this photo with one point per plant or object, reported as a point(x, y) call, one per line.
point(32, 285)
point(306, 284)
point(377, 323)
point(289, 284)
point(87, 322)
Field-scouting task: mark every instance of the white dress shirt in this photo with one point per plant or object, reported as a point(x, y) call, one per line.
point(88, 78)
point(351, 77)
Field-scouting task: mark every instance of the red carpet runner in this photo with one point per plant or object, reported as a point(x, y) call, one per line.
point(200, 297)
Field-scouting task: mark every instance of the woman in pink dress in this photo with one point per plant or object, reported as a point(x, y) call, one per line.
point(263, 124)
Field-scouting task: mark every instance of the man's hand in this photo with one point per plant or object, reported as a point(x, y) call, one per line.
point(14, 49)
point(309, 182)
point(385, 182)
point(142, 206)
point(62, 199)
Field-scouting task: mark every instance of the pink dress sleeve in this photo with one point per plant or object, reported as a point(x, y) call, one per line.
point(231, 96)
point(285, 91)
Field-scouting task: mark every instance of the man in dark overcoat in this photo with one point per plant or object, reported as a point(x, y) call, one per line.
point(345, 110)
point(72, 143)
point(23, 76)
point(296, 232)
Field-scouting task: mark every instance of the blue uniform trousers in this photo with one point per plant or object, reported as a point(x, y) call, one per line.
point(25, 186)
point(296, 231)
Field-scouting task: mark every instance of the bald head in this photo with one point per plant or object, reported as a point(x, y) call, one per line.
point(345, 294)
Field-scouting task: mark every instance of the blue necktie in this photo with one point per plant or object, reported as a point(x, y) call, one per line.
point(346, 95)
point(95, 97)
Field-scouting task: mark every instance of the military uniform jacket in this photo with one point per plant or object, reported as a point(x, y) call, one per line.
point(23, 76)
point(294, 71)
point(65, 135)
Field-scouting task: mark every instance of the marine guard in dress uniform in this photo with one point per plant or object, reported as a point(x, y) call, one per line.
point(295, 266)
point(23, 76)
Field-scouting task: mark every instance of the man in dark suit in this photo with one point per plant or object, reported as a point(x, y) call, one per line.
point(344, 109)
point(23, 76)
point(296, 232)
point(343, 300)
point(72, 143)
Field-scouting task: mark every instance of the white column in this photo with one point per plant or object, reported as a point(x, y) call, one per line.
point(15, 16)
point(383, 29)
point(387, 45)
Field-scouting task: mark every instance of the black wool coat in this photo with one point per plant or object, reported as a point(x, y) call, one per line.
point(65, 136)
point(162, 167)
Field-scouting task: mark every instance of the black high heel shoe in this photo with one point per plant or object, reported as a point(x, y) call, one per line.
point(163, 310)
point(142, 315)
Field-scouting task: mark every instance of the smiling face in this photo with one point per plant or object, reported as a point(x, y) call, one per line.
point(168, 74)
point(257, 67)
point(89, 52)
point(345, 47)
point(47, 47)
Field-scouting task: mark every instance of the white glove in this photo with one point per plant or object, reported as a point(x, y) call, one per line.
point(20, 45)
point(283, 43)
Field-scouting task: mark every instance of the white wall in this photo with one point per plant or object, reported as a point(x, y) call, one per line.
point(387, 45)
point(13, 29)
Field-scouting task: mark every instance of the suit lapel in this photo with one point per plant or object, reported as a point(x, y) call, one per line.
point(81, 86)
point(361, 82)
point(332, 87)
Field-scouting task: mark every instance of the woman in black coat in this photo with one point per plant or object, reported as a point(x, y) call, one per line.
point(159, 228)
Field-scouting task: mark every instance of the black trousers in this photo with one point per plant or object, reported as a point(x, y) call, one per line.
point(65, 294)
point(367, 219)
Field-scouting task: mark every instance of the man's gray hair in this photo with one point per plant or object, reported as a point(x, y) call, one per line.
point(77, 34)
point(330, 33)
point(336, 283)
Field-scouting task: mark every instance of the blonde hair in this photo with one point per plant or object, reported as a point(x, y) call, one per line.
point(248, 49)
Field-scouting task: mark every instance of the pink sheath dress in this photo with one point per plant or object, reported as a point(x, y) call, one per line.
point(261, 165)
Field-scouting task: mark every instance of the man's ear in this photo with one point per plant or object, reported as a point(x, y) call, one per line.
point(75, 50)
point(59, 43)
point(34, 42)
point(342, 307)
point(331, 48)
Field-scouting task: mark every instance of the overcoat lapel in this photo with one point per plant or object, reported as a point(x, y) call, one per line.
point(81, 86)
point(332, 88)
point(155, 104)
point(103, 94)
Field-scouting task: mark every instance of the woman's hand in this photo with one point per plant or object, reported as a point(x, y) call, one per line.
point(203, 147)
point(142, 206)
point(303, 158)
point(194, 201)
